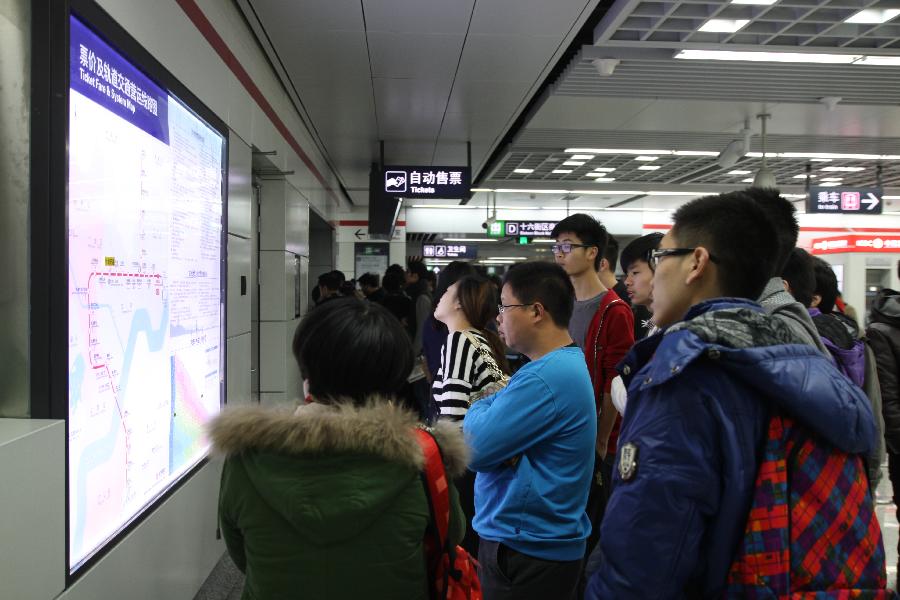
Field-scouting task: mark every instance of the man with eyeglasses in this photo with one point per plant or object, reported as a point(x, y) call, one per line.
point(603, 327)
point(532, 447)
point(700, 398)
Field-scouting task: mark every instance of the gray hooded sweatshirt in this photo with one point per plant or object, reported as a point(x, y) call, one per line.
point(780, 304)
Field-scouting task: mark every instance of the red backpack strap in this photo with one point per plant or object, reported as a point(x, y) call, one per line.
point(436, 484)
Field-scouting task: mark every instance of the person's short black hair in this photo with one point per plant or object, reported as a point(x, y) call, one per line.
point(826, 285)
point(735, 230)
point(638, 249)
point(431, 277)
point(546, 283)
point(611, 252)
point(417, 267)
point(396, 269)
point(393, 281)
point(331, 280)
point(800, 275)
point(349, 348)
point(588, 230)
point(781, 214)
point(369, 280)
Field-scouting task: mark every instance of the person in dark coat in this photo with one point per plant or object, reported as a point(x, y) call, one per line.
point(884, 339)
point(328, 501)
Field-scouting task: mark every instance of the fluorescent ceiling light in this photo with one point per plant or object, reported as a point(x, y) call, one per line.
point(573, 163)
point(507, 258)
point(523, 171)
point(562, 171)
point(581, 157)
point(794, 57)
point(724, 25)
point(517, 191)
point(739, 172)
point(481, 190)
point(604, 169)
point(755, 2)
point(471, 240)
point(873, 16)
point(803, 176)
point(677, 193)
point(646, 158)
point(820, 159)
point(649, 167)
point(827, 155)
point(845, 169)
point(694, 153)
point(832, 179)
point(616, 151)
point(450, 206)
point(604, 179)
point(795, 196)
point(829, 183)
point(554, 241)
point(879, 61)
point(748, 180)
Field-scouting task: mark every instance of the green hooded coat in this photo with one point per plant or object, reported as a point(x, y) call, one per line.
point(328, 502)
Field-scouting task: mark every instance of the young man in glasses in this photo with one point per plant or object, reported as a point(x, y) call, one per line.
point(603, 327)
point(700, 399)
point(532, 447)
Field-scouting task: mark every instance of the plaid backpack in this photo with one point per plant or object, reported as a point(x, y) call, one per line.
point(812, 531)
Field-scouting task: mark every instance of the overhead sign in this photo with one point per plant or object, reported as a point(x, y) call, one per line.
point(845, 200)
point(449, 251)
point(497, 229)
point(370, 257)
point(530, 228)
point(856, 243)
point(427, 182)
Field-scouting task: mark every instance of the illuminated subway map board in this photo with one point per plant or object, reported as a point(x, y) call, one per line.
point(146, 304)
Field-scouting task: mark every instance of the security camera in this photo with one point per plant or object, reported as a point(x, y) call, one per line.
point(490, 221)
point(605, 66)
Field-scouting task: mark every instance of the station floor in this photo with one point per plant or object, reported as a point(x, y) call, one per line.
point(226, 582)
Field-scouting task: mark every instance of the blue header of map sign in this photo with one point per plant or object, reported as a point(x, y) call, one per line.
point(845, 200)
point(106, 77)
point(427, 182)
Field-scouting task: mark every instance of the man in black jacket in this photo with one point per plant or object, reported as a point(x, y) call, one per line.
point(884, 339)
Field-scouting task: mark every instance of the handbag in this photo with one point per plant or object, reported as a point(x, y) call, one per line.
point(452, 571)
point(488, 357)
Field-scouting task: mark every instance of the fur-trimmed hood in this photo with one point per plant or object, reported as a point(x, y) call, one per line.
point(329, 470)
point(379, 428)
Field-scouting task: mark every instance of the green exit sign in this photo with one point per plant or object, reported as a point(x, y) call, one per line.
point(497, 229)
point(523, 239)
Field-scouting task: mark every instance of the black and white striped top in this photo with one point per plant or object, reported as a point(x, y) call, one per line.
point(463, 372)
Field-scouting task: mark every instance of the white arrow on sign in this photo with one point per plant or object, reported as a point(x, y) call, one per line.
point(871, 202)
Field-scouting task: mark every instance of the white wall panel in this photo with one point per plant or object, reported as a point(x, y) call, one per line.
point(273, 399)
point(32, 521)
point(239, 190)
point(296, 220)
point(272, 360)
point(239, 257)
point(238, 387)
point(169, 555)
point(276, 277)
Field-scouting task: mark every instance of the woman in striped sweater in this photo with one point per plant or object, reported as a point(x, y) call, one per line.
point(473, 362)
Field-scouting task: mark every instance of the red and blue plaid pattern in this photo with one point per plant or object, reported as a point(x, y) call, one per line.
point(812, 531)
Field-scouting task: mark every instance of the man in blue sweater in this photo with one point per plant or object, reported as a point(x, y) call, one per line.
point(533, 446)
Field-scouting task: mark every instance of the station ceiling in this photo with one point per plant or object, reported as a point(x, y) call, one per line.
point(426, 76)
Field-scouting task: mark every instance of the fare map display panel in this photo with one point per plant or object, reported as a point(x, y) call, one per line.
point(145, 301)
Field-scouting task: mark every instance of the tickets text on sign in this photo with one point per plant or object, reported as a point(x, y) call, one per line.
point(429, 182)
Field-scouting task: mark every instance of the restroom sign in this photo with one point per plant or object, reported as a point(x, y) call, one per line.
point(845, 200)
point(427, 182)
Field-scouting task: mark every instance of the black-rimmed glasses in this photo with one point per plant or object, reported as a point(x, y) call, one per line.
point(654, 255)
point(566, 247)
point(501, 308)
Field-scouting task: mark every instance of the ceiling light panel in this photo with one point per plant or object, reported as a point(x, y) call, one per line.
point(789, 57)
point(739, 172)
point(844, 169)
point(646, 158)
point(649, 168)
point(582, 156)
point(562, 171)
point(724, 25)
point(523, 171)
point(873, 16)
point(755, 2)
point(572, 163)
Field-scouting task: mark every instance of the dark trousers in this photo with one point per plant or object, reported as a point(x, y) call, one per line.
point(509, 575)
point(465, 485)
point(894, 475)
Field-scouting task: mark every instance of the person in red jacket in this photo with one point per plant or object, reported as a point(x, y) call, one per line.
point(603, 327)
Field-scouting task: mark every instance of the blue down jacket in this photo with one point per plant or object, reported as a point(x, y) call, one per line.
point(697, 416)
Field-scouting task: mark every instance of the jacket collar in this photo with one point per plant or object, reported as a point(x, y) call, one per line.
point(380, 428)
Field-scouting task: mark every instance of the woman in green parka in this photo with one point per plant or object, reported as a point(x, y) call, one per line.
point(327, 502)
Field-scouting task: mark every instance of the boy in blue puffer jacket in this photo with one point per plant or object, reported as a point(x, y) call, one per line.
point(700, 397)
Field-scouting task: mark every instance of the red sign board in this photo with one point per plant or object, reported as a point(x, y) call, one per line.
point(856, 243)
